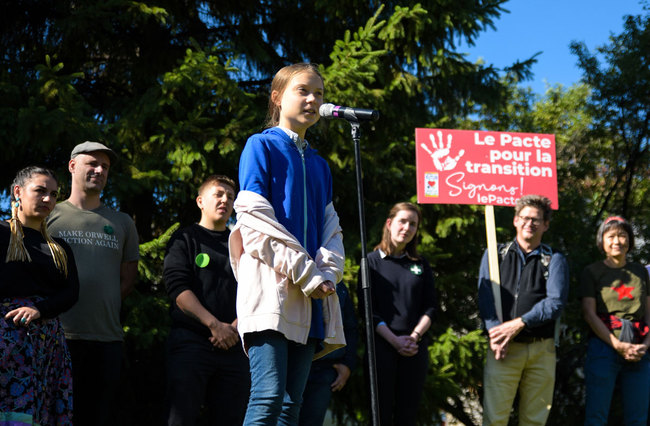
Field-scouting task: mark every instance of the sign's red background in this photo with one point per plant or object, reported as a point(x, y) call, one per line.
point(479, 167)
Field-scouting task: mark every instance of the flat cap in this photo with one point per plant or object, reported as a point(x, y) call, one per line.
point(88, 147)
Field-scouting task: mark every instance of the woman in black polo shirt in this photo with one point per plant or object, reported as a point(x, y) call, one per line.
point(404, 305)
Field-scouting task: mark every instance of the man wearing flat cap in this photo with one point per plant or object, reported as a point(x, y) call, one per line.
point(105, 246)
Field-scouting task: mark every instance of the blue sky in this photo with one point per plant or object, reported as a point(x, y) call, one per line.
point(549, 26)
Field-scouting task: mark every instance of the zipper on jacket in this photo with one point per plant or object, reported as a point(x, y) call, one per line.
point(522, 264)
point(300, 144)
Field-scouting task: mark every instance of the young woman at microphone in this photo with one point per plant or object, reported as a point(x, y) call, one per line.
point(286, 250)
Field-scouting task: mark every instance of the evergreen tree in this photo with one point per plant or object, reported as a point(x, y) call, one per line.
point(176, 88)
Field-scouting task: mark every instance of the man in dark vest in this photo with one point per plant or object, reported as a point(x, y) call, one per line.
point(534, 289)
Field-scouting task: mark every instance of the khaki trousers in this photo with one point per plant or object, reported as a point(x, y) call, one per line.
point(529, 367)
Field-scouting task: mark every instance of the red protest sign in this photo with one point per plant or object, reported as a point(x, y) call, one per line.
point(479, 167)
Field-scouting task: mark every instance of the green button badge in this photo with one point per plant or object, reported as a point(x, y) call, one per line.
point(202, 260)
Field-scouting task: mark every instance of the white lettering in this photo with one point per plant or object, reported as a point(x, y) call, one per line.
point(455, 181)
point(489, 140)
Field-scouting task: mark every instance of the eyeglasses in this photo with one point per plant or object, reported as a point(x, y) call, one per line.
point(533, 220)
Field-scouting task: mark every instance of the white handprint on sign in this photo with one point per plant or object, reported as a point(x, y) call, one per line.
point(440, 154)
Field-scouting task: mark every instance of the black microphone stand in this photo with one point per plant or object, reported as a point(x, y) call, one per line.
point(365, 279)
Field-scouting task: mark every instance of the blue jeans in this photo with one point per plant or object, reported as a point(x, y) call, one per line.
point(602, 366)
point(279, 371)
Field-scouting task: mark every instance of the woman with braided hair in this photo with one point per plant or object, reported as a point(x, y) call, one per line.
point(38, 281)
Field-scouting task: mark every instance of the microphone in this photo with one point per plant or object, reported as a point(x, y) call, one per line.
point(350, 114)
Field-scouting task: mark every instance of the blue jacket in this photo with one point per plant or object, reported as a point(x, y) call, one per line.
point(297, 184)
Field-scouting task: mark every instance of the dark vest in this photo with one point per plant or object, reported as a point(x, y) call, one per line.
point(520, 291)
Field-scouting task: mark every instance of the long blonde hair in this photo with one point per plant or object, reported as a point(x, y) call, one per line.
point(17, 252)
point(279, 84)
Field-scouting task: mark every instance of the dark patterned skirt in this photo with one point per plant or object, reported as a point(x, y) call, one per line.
point(35, 371)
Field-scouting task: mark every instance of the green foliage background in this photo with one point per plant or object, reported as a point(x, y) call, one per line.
point(177, 87)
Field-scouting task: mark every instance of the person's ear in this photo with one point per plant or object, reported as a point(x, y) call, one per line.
point(17, 192)
point(276, 98)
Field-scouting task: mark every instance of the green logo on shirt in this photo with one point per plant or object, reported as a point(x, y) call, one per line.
point(108, 229)
point(202, 260)
point(416, 270)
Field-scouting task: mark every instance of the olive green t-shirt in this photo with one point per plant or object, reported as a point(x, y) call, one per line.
point(620, 292)
point(101, 240)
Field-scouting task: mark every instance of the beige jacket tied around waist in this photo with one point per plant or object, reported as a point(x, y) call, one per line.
point(276, 275)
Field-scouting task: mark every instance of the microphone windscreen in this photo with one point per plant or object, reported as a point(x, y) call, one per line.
point(325, 110)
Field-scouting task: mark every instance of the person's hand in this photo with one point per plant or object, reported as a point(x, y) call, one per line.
point(502, 334)
point(500, 350)
point(630, 351)
point(326, 288)
point(342, 377)
point(23, 315)
point(405, 345)
point(224, 336)
point(641, 349)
